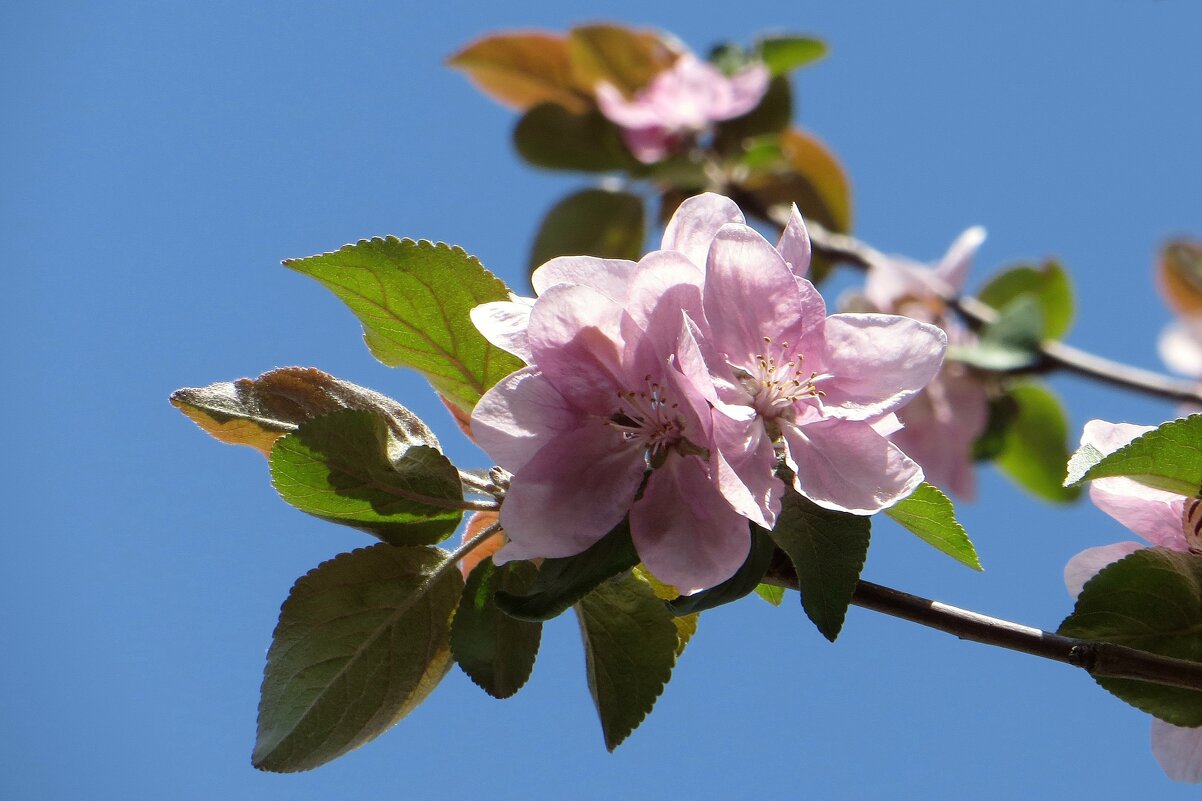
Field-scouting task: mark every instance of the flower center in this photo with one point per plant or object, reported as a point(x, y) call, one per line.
point(649, 419)
point(1191, 524)
point(777, 381)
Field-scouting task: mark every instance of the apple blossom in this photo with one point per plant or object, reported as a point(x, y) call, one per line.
point(1158, 517)
point(944, 421)
point(681, 101)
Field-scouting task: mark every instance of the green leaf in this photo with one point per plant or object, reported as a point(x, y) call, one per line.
point(562, 582)
point(771, 593)
point(1049, 284)
point(413, 299)
point(361, 641)
point(1009, 343)
point(929, 514)
point(742, 583)
point(783, 54)
point(523, 69)
point(551, 136)
point(495, 650)
point(592, 222)
point(630, 647)
point(686, 625)
point(1168, 458)
point(1035, 444)
point(1150, 600)
point(348, 467)
point(770, 116)
point(827, 549)
point(257, 412)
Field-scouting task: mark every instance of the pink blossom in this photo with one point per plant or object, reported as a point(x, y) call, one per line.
point(1180, 346)
point(944, 421)
point(681, 101)
point(818, 384)
point(611, 419)
point(1156, 516)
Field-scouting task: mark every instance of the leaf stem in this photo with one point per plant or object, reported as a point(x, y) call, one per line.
point(463, 550)
point(1053, 354)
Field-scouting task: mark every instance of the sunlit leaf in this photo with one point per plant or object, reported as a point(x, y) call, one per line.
point(1009, 343)
point(1151, 601)
point(495, 650)
point(771, 593)
point(413, 299)
point(827, 549)
point(522, 70)
point(1035, 445)
point(348, 467)
point(1180, 269)
point(626, 58)
point(783, 54)
point(1168, 457)
point(686, 625)
point(742, 583)
point(258, 411)
point(928, 514)
point(592, 222)
point(551, 136)
point(562, 582)
point(630, 645)
point(1049, 284)
point(361, 641)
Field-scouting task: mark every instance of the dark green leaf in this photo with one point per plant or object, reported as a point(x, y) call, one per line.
point(348, 467)
point(1049, 284)
point(929, 514)
point(413, 299)
point(742, 583)
point(783, 54)
point(361, 641)
point(562, 582)
point(495, 650)
point(1151, 601)
point(1002, 411)
point(1035, 445)
point(1168, 458)
point(551, 136)
point(771, 593)
point(630, 647)
point(257, 412)
point(1009, 343)
point(592, 222)
point(827, 549)
point(771, 116)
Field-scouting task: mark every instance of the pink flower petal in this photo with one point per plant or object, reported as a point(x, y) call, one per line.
point(1085, 565)
point(953, 269)
point(519, 416)
point(696, 222)
point(794, 244)
point(571, 493)
point(743, 465)
point(610, 277)
point(1178, 750)
point(1109, 437)
point(747, 88)
point(683, 530)
point(1153, 514)
point(1180, 347)
point(503, 323)
point(877, 362)
point(626, 113)
point(847, 466)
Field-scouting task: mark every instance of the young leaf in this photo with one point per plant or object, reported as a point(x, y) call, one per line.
point(929, 514)
point(1168, 458)
point(629, 649)
point(686, 625)
point(771, 593)
point(361, 641)
point(783, 54)
point(1180, 268)
point(413, 299)
point(1152, 601)
point(562, 582)
point(349, 468)
point(1035, 444)
point(742, 583)
point(495, 650)
point(522, 70)
point(592, 222)
point(1009, 343)
point(550, 136)
point(257, 412)
point(626, 58)
point(827, 549)
point(1049, 284)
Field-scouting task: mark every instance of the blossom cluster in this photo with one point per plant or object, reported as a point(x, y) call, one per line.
point(677, 391)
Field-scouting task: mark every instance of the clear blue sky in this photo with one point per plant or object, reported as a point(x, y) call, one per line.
point(159, 159)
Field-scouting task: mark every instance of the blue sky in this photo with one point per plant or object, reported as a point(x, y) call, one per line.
point(161, 158)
